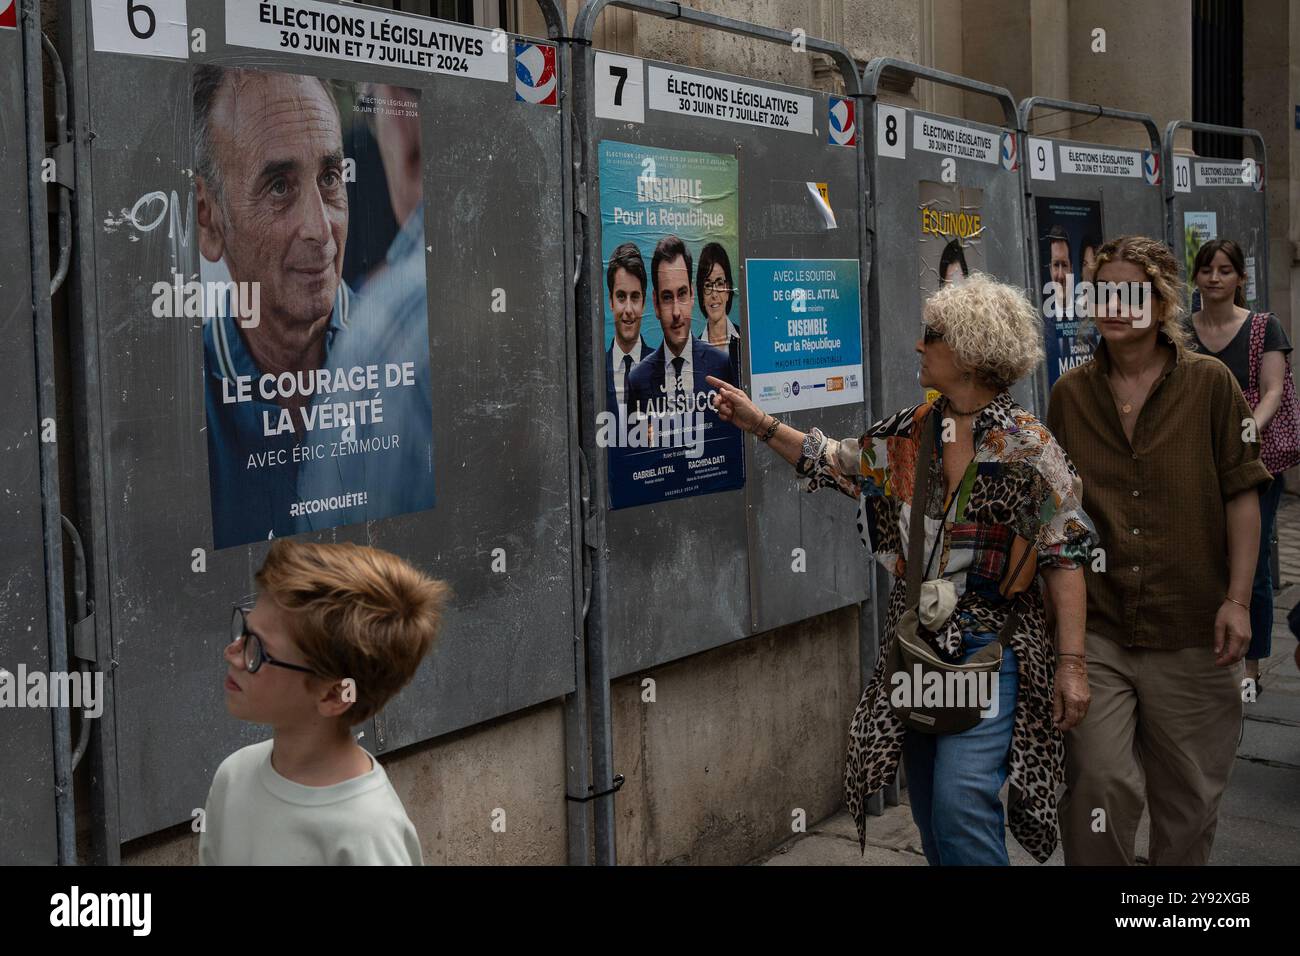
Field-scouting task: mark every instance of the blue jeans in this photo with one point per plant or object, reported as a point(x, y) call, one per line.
point(953, 779)
point(1261, 595)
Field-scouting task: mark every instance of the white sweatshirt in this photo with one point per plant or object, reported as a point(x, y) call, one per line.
point(255, 817)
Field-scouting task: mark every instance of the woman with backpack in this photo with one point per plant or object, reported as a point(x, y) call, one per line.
point(1255, 348)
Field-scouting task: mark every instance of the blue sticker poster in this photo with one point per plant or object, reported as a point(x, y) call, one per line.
point(805, 333)
point(669, 238)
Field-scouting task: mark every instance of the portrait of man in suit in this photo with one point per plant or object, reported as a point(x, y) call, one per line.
point(625, 278)
point(1060, 267)
point(676, 371)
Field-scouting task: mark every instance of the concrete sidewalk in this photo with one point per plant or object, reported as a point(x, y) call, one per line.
point(1259, 820)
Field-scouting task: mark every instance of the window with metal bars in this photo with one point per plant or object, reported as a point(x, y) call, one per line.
point(1217, 74)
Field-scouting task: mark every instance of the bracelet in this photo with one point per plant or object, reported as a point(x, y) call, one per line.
point(1069, 654)
point(1228, 597)
point(766, 436)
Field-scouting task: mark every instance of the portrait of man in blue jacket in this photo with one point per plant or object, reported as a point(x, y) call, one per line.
point(272, 206)
point(307, 426)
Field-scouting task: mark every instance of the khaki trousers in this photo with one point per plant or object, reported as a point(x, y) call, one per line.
point(1162, 726)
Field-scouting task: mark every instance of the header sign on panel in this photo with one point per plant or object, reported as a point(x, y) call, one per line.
point(952, 139)
point(361, 35)
point(691, 94)
point(1098, 161)
point(1229, 174)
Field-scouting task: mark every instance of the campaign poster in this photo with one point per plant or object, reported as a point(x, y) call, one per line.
point(313, 292)
point(950, 243)
point(950, 239)
point(670, 250)
point(1069, 235)
point(805, 333)
point(1198, 229)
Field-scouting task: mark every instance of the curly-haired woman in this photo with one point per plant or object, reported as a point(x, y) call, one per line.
point(1004, 508)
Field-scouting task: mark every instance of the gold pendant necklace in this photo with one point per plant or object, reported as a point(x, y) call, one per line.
point(1125, 406)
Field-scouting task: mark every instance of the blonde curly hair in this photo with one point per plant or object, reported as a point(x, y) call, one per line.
point(992, 328)
point(1155, 259)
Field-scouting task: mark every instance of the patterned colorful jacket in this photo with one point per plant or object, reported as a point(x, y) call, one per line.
point(1019, 492)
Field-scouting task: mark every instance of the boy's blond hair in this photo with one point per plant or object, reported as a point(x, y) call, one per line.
point(355, 612)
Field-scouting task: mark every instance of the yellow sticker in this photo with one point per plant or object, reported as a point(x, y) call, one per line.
point(826, 193)
point(932, 394)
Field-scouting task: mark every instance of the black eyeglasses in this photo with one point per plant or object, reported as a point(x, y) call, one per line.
point(931, 334)
point(255, 655)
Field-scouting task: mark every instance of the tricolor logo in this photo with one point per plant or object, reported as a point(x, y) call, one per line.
point(535, 79)
point(1010, 152)
point(843, 122)
point(1151, 167)
point(9, 14)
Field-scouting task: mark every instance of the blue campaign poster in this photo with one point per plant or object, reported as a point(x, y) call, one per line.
point(1069, 235)
point(805, 333)
point(669, 236)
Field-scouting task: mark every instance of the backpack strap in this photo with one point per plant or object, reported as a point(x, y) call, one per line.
point(1258, 328)
point(916, 533)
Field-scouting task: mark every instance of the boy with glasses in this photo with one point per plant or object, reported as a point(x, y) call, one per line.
point(336, 631)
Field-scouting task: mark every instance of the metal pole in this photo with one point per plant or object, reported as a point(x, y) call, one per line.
point(870, 613)
point(51, 524)
point(876, 69)
point(577, 733)
point(63, 153)
point(1030, 103)
point(869, 616)
point(89, 466)
point(591, 346)
point(595, 491)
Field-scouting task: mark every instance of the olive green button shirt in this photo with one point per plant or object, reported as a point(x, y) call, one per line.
point(1158, 503)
